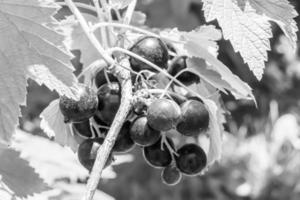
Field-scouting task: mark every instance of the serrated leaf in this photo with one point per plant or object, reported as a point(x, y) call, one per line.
point(281, 12)
point(26, 41)
point(237, 87)
point(53, 124)
point(18, 175)
point(248, 32)
point(78, 39)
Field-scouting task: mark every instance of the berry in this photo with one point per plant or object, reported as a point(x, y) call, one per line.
point(194, 118)
point(81, 109)
point(123, 142)
point(153, 50)
point(163, 114)
point(101, 80)
point(142, 134)
point(186, 77)
point(171, 175)
point(191, 159)
point(109, 101)
point(158, 155)
point(87, 152)
point(83, 129)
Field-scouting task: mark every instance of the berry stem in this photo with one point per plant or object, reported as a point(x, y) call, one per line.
point(129, 53)
point(129, 12)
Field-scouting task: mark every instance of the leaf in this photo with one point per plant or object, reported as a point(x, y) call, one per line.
point(26, 42)
point(18, 175)
point(53, 124)
point(78, 39)
point(234, 84)
point(248, 32)
point(138, 18)
point(282, 13)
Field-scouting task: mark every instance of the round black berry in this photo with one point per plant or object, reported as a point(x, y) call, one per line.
point(194, 118)
point(83, 129)
point(186, 77)
point(87, 152)
point(163, 114)
point(191, 159)
point(81, 109)
point(109, 101)
point(171, 175)
point(100, 78)
point(124, 143)
point(152, 49)
point(158, 155)
point(142, 134)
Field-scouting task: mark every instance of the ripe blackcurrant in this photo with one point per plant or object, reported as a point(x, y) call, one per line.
point(81, 109)
point(142, 134)
point(170, 175)
point(186, 77)
point(87, 152)
point(83, 129)
point(100, 78)
point(158, 155)
point(123, 142)
point(109, 101)
point(163, 114)
point(191, 159)
point(152, 49)
point(194, 118)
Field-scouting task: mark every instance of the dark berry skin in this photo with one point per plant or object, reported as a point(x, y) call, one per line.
point(152, 49)
point(171, 175)
point(163, 114)
point(194, 118)
point(83, 129)
point(191, 159)
point(158, 155)
point(81, 109)
point(186, 77)
point(109, 96)
point(101, 80)
point(87, 152)
point(124, 143)
point(142, 134)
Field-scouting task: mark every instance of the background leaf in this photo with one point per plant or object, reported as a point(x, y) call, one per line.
point(18, 175)
point(29, 39)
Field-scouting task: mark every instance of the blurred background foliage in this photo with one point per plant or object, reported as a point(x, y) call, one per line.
point(261, 153)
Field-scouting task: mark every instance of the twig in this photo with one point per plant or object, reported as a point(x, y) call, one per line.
point(80, 5)
point(129, 12)
point(106, 147)
point(126, 95)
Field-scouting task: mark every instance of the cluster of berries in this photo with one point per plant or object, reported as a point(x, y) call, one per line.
point(148, 126)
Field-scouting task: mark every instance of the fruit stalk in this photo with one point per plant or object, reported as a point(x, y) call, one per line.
point(105, 149)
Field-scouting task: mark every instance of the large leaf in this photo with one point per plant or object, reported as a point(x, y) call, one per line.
point(53, 125)
point(281, 12)
point(248, 32)
point(18, 175)
point(30, 46)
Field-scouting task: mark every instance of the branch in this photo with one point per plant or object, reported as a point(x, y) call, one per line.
point(106, 147)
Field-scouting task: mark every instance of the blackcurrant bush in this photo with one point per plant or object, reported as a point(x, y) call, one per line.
point(83, 129)
point(191, 159)
point(163, 114)
point(186, 77)
point(152, 49)
point(194, 118)
point(124, 143)
point(158, 155)
point(81, 109)
point(87, 152)
point(142, 134)
point(100, 78)
point(109, 96)
point(171, 175)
